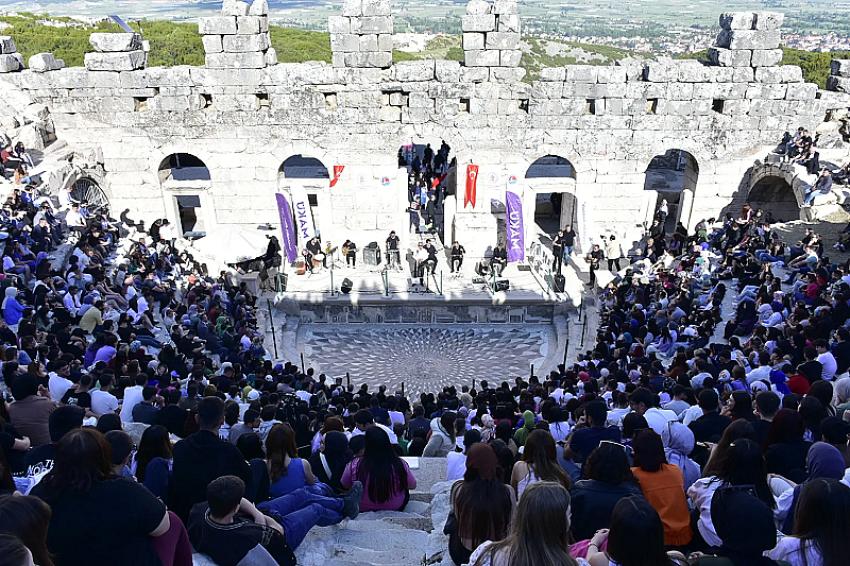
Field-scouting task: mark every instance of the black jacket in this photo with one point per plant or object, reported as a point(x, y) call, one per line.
point(592, 502)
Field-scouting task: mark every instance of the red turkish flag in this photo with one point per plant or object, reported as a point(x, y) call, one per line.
point(471, 182)
point(337, 172)
point(437, 180)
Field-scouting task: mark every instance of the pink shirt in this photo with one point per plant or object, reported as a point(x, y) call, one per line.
point(396, 499)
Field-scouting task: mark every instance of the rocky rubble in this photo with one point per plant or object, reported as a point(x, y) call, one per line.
point(10, 59)
point(116, 52)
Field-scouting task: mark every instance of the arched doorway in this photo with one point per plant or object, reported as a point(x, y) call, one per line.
point(673, 177)
point(776, 198)
point(552, 178)
point(301, 167)
point(306, 179)
point(185, 179)
point(90, 195)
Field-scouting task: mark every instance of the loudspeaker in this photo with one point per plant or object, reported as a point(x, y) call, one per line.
point(372, 256)
point(559, 282)
point(346, 286)
point(502, 285)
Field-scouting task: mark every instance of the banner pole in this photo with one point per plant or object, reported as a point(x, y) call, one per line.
point(271, 323)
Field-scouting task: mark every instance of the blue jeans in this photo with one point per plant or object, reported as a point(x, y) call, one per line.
point(811, 196)
point(301, 510)
point(568, 251)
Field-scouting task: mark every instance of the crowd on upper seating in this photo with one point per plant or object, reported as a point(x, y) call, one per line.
point(144, 419)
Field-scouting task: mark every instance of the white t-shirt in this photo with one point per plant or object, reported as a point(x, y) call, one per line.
point(830, 366)
point(103, 402)
point(657, 419)
point(58, 386)
point(455, 465)
point(132, 397)
point(788, 549)
point(500, 559)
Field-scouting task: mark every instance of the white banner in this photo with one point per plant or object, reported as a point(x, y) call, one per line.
point(303, 215)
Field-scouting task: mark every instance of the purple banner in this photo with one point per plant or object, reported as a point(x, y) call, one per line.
point(514, 226)
point(287, 228)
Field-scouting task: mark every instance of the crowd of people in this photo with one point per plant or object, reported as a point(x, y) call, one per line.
point(143, 418)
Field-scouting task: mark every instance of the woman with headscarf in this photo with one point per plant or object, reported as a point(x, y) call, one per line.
point(488, 428)
point(679, 442)
point(482, 505)
point(823, 461)
point(13, 311)
point(745, 527)
point(521, 435)
point(328, 464)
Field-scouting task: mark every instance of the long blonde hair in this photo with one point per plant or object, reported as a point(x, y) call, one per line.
point(540, 531)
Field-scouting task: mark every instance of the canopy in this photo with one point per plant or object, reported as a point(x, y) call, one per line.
point(232, 244)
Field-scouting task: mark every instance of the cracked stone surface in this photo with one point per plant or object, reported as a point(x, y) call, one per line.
point(425, 358)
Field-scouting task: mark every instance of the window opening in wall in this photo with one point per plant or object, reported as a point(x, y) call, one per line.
point(313, 200)
point(652, 106)
point(189, 213)
point(464, 105)
point(590, 106)
point(717, 105)
point(263, 99)
point(330, 101)
point(523, 105)
point(140, 103)
point(207, 98)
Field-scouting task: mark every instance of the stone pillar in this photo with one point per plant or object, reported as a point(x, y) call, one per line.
point(839, 76)
point(491, 34)
point(363, 35)
point(748, 39)
point(116, 52)
point(238, 38)
point(10, 59)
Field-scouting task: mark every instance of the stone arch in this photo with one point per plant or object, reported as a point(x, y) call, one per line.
point(88, 192)
point(552, 180)
point(185, 180)
point(671, 176)
point(180, 169)
point(300, 166)
point(775, 196)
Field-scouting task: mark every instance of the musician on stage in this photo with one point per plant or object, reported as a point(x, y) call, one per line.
point(308, 259)
point(393, 255)
point(499, 260)
point(431, 261)
point(314, 246)
point(420, 256)
point(349, 250)
point(457, 253)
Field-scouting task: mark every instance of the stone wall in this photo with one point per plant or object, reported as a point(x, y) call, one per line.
point(609, 122)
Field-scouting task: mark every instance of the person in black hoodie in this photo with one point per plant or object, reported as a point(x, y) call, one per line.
point(329, 462)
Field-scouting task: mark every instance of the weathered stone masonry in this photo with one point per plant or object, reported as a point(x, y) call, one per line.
point(243, 115)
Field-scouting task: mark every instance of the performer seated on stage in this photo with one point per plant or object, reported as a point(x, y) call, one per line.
point(499, 260)
point(458, 252)
point(420, 256)
point(349, 250)
point(314, 246)
point(308, 259)
point(393, 255)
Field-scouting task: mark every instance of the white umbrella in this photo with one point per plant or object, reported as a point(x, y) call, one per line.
point(232, 244)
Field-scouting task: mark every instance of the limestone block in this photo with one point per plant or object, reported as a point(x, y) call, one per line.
point(115, 42)
point(768, 20)
point(720, 74)
point(9, 63)
point(660, 72)
point(385, 42)
point(743, 74)
point(420, 100)
point(728, 91)
point(611, 75)
point(680, 91)
point(833, 82)
point(339, 24)
point(221, 25)
point(505, 7)
point(447, 71)
point(352, 8)
point(580, 73)
point(368, 42)
point(43, 62)
point(502, 40)
point(791, 74)
point(729, 57)
point(245, 43)
point(372, 24)
point(540, 89)
point(414, 115)
point(235, 8)
point(481, 58)
point(478, 22)
point(212, 43)
point(510, 57)
point(254, 60)
point(248, 25)
point(554, 74)
point(271, 56)
point(737, 20)
point(692, 72)
point(749, 39)
point(478, 7)
point(373, 59)
point(376, 8)
point(127, 61)
point(345, 42)
point(768, 75)
point(473, 41)
point(801, 91)
point(508, 23)
point(766, 57)
point(259, 8)
point(338, 59)
point(7, 45)
point(508, 75)
point(409, 71)
point(473, 74)
point(757, 91)
point(840, 67)
point(390, 114)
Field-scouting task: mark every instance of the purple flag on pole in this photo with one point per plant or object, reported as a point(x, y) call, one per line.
point(515, 228)
point(287, 227)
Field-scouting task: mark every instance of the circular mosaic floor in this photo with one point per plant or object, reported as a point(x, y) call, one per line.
point(425, 358)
